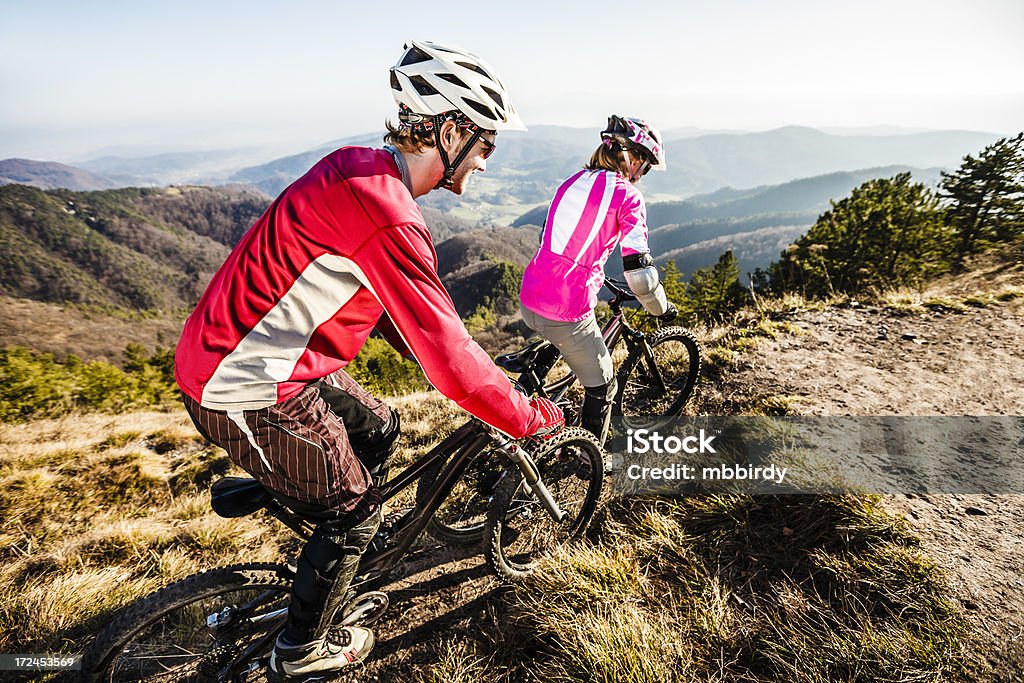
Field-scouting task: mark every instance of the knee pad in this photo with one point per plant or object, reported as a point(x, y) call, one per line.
point(378, 447)
point(642, 278)
point(317, 588)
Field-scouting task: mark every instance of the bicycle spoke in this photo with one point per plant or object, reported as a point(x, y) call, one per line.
point(182, 646)
point(657, 381)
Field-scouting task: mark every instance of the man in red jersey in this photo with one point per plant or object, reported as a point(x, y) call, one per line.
point(342, 251)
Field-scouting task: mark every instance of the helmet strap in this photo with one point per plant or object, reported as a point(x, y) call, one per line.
point(450, 166)
point(629, 162)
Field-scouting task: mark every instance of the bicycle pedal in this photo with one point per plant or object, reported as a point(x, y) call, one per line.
point(364, 609)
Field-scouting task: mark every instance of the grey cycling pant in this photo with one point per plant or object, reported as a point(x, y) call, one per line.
point(580, 344)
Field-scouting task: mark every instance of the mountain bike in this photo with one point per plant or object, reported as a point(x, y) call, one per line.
point(221, 624)
point(657, 373)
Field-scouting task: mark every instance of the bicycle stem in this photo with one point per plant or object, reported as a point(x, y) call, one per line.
point(531, 476)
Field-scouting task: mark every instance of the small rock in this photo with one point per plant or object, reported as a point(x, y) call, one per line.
point(908, 336)
point(973, 511)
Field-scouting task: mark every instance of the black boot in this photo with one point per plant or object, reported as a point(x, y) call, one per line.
point(597, 410)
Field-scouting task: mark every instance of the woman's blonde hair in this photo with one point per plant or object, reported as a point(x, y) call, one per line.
point(608, 157)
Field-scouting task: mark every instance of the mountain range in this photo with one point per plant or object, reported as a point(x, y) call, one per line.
point(49, 175)
point(526, 167)
point(151, 250)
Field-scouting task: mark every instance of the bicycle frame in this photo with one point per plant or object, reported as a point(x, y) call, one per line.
point(617, 328)
point(458, 450)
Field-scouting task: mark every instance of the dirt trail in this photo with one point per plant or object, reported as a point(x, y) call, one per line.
point(439, 598)
point(862, 360)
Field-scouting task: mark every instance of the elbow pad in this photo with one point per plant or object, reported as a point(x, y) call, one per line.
point(642, 278)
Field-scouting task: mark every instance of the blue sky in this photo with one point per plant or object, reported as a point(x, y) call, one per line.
point(79, 76)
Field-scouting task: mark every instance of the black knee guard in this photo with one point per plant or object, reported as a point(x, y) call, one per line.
point(325, 568)
point(378, 447)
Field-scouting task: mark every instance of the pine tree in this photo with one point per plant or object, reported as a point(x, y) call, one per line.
point(672, 280)
point(986, 195)
point(716, 291)
point(887, 233)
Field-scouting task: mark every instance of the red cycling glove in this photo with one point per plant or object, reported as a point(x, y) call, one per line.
point(551, 420)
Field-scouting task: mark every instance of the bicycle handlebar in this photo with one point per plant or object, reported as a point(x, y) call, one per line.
point(620, 289)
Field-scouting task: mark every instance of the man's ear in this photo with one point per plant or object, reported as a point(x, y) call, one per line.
point(449, 134)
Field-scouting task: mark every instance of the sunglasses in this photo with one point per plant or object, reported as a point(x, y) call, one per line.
point(488, 147)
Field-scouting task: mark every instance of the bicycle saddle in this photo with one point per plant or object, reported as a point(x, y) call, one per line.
point(523, 359)
point(238, 496)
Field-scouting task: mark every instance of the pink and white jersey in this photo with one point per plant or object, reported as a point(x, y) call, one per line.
point(592, 212)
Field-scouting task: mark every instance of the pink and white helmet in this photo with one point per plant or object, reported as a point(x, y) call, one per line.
point(637, 133)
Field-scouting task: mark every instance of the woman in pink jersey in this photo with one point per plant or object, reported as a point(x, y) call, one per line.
point(593, 211)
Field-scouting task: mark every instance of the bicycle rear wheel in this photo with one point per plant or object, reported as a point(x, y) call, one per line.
point(660, 384)
point(193, 629)
point(519, 531)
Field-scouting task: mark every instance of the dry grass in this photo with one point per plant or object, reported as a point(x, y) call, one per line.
point(99, 510)
point(733, 588)
point(94, 335)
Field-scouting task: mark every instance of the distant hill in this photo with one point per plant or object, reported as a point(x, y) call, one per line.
point(49, 175)
point(275, 175)
point(191, 167)
point(131, 249)
point(706, 163)
point(140, 257)
point(802, 195)
point(526, 167)
point(753, 248)
point(472, 264)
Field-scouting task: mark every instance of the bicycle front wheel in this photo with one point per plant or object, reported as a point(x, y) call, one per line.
point(520, 532)
point(657, 379)
point(460, 518)
point(193, 630)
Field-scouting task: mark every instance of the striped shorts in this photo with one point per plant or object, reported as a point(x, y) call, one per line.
point(307, 447)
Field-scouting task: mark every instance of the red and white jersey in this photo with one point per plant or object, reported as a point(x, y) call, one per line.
point(300, 293)
point(592, 212)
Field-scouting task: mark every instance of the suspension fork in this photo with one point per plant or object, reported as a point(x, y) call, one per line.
point(531, 475)
point(636, 339)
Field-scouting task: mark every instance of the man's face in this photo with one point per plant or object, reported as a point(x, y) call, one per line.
point(474, 161)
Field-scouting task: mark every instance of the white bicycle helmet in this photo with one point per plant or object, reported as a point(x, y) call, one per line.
point(432, 79)
point(632, 133)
